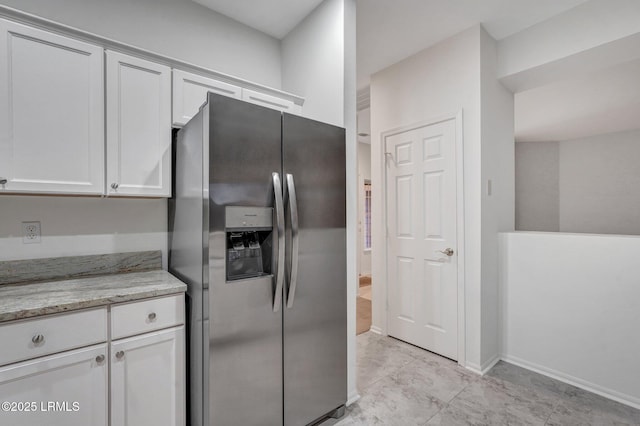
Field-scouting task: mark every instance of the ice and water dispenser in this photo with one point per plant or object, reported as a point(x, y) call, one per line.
point(249, 241)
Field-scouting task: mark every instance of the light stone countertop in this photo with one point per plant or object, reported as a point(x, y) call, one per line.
point(30, 300)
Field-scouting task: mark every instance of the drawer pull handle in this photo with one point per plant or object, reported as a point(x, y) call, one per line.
point(37, 339)
point(152, 316)
point(100, 359)
point(119, 354)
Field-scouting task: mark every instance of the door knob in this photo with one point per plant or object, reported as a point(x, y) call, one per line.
point(449, 252)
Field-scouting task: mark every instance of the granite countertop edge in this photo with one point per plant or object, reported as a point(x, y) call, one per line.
point(24, 301)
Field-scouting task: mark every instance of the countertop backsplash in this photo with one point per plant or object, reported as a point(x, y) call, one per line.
point(71, 267)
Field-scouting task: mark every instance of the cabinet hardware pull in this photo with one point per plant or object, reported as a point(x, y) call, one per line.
point(99, 359)
point(119, 354)
point(152, 316)
point(3, 181)
point(37, 339)
point(114, 185)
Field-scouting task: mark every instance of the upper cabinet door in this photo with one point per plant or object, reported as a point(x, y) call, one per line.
point(190, 92)
point(270, 101)
point(138, 127)
point(51, 113)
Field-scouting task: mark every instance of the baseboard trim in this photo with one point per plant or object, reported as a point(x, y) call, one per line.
point(376, 329)
point(484, 368)
point(566, 378)
point(353, 397)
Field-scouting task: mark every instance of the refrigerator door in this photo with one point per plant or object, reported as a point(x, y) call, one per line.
point(244, 330)
point(315, 314)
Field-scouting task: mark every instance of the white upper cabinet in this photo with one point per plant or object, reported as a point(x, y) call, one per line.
point(270, 101)
point(51, 113)
point(138, 127)
point(190, 92)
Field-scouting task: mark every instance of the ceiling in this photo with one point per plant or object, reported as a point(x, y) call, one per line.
point(391, 30)
point(273, 17)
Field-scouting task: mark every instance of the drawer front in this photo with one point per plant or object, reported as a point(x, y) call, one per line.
point(141, 317)
point(28, 339)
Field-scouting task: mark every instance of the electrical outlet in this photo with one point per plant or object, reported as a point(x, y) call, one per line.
point(31, 232)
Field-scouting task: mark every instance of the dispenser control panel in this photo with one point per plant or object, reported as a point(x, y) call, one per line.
point(248, 217)
point(249, 242)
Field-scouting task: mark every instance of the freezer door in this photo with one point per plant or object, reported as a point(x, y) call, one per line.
point(245, 331)
point(315, 314)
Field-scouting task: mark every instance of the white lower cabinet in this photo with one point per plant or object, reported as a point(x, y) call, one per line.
point(55, 369)
point(148, 379)
point(66, 389)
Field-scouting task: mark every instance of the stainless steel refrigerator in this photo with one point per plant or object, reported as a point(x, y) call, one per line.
point(257, 231)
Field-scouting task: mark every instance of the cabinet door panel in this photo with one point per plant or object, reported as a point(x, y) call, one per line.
point(68, 389)
point(147, 379)
point(270, 101)
point(190, 92)
point(51, 113)
point(138, 127)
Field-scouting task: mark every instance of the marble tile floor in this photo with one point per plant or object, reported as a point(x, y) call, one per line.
point(403, 385)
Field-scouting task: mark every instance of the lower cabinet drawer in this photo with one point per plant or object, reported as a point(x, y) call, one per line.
point(22, 340)
point(129, 319)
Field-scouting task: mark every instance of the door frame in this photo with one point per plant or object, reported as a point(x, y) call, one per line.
point(459, 152)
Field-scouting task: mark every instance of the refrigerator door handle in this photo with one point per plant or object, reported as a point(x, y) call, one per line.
point(277, 192)
point(295, 239)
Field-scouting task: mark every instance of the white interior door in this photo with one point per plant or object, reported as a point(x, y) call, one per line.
point(421, 228)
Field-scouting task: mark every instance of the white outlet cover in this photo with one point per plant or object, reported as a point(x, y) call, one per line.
point(31, 232)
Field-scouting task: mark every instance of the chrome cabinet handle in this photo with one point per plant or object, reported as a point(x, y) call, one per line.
point(119, 354)
point(295, 240)
point(100, 359)
point(37, 339)
point(449, 252)
point(152, 316)
point(3, 181)
point(277, 191)
point(114, 185)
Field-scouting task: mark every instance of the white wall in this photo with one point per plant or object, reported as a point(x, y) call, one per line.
point(79, 226)
point(443, 79)
point(350, 124)
point(457, 75)
point(498, 204)
point(581, 185)
point(313, 62)
point(599, 181)
point(364, 173)
point(537, 186)
point(180, 29)
point(570, 309)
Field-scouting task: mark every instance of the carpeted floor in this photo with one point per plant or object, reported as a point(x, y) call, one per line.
point(363, 315)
